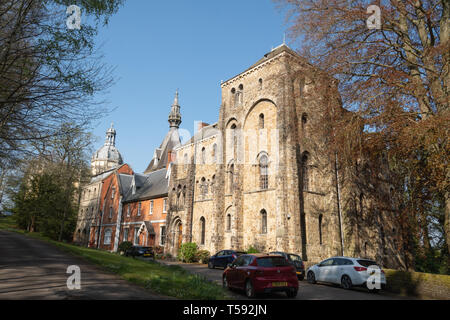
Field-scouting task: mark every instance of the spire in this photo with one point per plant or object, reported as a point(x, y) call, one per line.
point(110, 136)
point(175, 115)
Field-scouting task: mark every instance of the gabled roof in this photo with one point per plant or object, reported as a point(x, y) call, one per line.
point(148, 186)
point(161, 155)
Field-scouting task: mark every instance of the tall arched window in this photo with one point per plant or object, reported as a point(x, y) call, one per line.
point(233, 140)
point(320, 228)
point(231, 178)
point(305, 178)
point(263, 172)
point(228, 222)
point(202, 230)
point(203, 155)
point(261, 121)
point(263, 221)
point(185, 159)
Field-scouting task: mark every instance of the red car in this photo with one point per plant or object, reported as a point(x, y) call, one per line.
point(261, 273)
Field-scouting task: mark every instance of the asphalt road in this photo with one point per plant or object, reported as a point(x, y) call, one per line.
point(31, 269)
point(306, 291)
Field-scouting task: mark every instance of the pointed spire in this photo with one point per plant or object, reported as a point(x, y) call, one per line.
point(175, 115)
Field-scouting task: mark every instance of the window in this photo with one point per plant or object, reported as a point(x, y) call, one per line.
point(305, 177)
point(228, 222)
point(113, 193)
point(203, 155)
point(261, 121)
point(260, 83)
point(202, 230)
point(231, 178)
point(204, 187)
point(263, 221)
point(125, 234)
point(107, 238)
point(151, 207)
point(185, 159)
point(139, 209)
point(110, 212)
point(165, 205)
point(162, 235)
point(320, 228)
point(136, 236)
point(263, 172)
point(128, 210)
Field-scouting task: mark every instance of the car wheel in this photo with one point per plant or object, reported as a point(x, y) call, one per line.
point(311, 277)
point(346, 282)
point(210, 265)
point(249, 290)
point(225, 282)
point(292, 293)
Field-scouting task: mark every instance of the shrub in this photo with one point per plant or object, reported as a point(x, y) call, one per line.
point(252, 250)
point(188, 252)
point(203, 256)
point(124, 246)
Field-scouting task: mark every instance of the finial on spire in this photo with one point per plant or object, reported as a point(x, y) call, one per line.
point(284, 38)
point(174, 115)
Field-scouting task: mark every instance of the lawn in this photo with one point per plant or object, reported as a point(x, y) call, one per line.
point(171, 281)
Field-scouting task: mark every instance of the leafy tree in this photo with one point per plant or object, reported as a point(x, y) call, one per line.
point(48, 73)
point(396, 81)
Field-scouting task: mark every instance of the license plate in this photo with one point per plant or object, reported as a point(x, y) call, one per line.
point(279, 284)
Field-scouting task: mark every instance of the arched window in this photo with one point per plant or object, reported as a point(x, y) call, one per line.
point(202, 230)
point(305, 178)
point(320, 228)
point(263, 221)
point(233, 139)
point(231, 177)
point(203, 155)
point(261, 121)
point(263, 172)
point(204, 187)
point(107, 237)
point(228, 222)
point(304, 120)
point(260, 83)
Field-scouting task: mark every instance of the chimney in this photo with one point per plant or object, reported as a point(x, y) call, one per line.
point(201, 125)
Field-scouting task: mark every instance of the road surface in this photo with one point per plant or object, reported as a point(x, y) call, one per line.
point(32, 269)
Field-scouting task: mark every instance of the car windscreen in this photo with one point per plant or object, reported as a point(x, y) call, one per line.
point(367, 263)
point(295, 257)
point(272, 262)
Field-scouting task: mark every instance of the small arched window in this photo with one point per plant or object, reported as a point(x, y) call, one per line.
point(228, 222)
point(202, 230)
point(261, 121)
point(263, 172)
point(260, 83)
point(304, 120)
point(263, 221)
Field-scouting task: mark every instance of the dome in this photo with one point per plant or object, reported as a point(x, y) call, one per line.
point(108, 156)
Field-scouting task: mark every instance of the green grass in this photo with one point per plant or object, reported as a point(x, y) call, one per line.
point(7, 223)
point(172, 281)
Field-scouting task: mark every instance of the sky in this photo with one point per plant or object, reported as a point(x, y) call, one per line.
point(159, 46)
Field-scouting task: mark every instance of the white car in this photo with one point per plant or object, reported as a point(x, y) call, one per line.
point(348, 272)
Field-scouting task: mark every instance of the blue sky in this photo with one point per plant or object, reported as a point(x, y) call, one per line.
point(159, 46)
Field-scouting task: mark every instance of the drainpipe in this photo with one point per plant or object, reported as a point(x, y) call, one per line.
point(339, 203)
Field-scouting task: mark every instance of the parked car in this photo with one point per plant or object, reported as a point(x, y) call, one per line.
point(261, 273)
point(296, 261)
point(140, 251)
point(223, 258)
point(347, 272)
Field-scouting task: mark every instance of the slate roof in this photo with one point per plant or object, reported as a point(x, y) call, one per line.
point(204, 133)
point(147, 186)
point(161, 154)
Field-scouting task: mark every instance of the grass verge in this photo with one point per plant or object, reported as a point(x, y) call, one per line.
point(171, 281)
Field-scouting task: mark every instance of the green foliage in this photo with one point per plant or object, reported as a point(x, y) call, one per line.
point(124, 246)
point(203, 256)
point(252, 250)
point(188, 252)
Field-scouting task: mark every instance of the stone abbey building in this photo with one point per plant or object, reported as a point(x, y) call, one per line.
point(261, 176)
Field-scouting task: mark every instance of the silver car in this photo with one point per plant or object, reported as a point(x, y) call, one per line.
point(348, 272)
